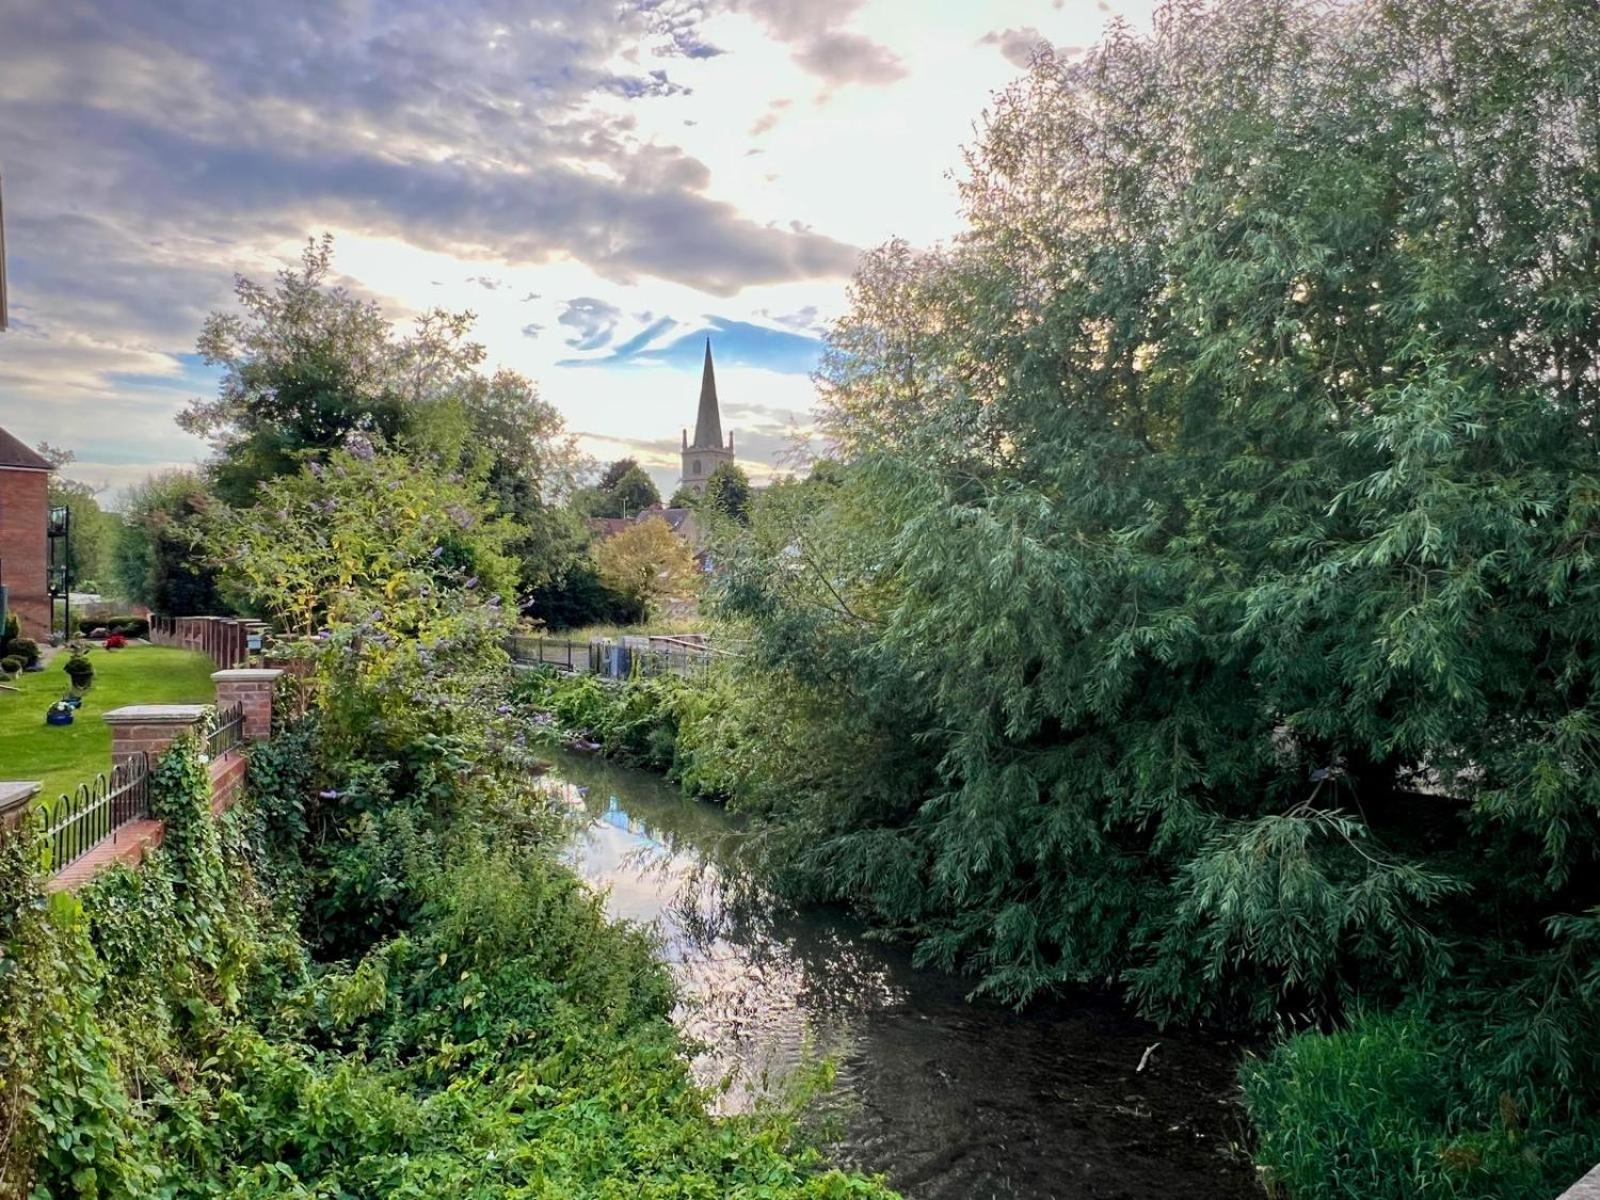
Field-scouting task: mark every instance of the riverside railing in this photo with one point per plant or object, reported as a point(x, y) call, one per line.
point(80, 820)
point(613, 659)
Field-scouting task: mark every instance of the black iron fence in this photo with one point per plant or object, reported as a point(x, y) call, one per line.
point(226, 732)
point(613, 659)
point(564, 653)
point(80, 820)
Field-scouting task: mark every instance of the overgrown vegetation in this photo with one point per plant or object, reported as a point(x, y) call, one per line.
point(373, 977)
point(1202, 599)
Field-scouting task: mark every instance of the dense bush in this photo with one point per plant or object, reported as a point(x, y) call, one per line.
point(130, 626)
point(24, 648)
point(1204, 601)
point(1390, 1109)
point(664, 723)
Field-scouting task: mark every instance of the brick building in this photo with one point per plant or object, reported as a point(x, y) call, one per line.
point(24, 512)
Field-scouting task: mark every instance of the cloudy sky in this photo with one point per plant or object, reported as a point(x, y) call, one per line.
point(604, 182)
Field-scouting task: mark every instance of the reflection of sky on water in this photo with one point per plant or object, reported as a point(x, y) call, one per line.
point(954, 1101)
point(758, 1006)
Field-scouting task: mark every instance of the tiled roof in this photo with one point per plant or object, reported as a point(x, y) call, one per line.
point(15, 454)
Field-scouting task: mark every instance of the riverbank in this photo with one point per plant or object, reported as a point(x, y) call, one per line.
point(953, 1100)
point(371, 977)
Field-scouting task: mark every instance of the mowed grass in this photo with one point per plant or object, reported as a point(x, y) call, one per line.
point(63, 756)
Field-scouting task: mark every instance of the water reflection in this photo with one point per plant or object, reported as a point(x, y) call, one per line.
point(947, 1098)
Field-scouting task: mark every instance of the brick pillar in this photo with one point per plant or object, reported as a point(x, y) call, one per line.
point(251, 687)
point(15, 798)
point(150, 728)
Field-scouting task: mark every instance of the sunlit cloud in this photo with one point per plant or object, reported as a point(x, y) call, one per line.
point(577, 175)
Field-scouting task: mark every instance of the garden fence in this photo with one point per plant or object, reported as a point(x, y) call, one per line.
point(82, 819)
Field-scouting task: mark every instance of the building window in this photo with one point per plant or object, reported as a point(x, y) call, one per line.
point(697, 466)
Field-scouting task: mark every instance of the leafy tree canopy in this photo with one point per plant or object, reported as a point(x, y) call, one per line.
point(94, 532)
point(1216, 514)
point(727, 493)
point(647, 563)
point(623, 490)
point(157, 559)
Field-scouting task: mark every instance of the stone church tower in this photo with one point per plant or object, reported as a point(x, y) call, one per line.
point(702, 456)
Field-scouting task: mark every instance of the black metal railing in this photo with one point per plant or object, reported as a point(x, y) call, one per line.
point(564, 653)
point(80, 820)
point(226, 732)
point(613, 659)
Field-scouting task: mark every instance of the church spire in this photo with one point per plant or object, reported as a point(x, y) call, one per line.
point(708, 423)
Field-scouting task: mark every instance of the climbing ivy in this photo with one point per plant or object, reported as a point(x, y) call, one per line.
point(171, 1031)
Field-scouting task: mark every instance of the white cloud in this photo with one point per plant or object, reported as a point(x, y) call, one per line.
point(505, 156)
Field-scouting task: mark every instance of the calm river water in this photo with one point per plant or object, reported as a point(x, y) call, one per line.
point(950, 1100)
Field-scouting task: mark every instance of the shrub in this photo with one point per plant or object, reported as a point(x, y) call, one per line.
point(79, 669)
point(26, 649)
point(12, 631)
point(11, 664)
point(1388, 1109)
point(127, 624)
point(116, 642)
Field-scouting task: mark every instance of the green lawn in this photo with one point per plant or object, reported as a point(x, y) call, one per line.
point(63, 756)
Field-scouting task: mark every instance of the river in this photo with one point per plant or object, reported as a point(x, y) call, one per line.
point(951, 1100)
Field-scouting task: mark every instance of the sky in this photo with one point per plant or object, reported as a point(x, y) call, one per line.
point(604, 183)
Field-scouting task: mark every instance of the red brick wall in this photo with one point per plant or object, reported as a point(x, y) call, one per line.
point(227, 781)
point(24, 510)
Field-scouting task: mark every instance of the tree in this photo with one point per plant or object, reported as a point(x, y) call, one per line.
point(321, 546)
point(647, 564)
point(614, 473)
point(684, 497)
point(623, 490)
point(309, 368)
point(1216, 517)
point(728, 493)
point(158, 560)
point(305, 364)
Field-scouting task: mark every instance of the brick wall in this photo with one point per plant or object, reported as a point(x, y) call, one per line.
point(227, 780)
point(24, 510)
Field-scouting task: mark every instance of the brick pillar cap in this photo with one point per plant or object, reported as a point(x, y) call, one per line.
point(247, 675)
point(156, 714)
point(14, 793)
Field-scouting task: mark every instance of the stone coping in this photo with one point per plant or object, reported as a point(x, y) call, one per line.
point(15, 793)
point(1587, 1188)
point(156, 714)
point(247, 675)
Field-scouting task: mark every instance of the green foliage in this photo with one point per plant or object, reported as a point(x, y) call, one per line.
point(93, 532)
point(1203, 596)
point(728, 493)
point(220, 1023)
point(1388, 1109)
point(623, 490)
point(635, 720)
point(577, 598)
point(647, 564)
point(157, 560)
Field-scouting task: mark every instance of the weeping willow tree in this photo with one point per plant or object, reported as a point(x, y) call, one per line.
point(1214, 541)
